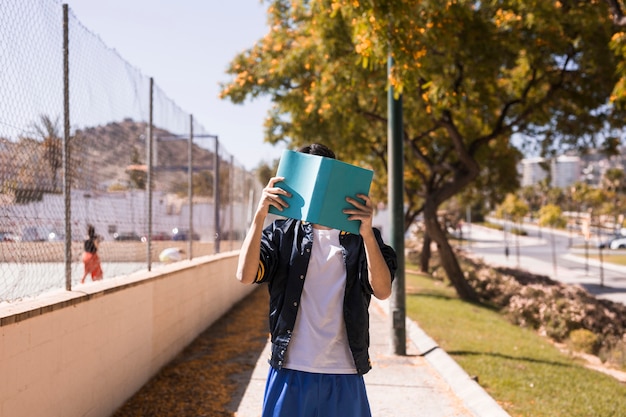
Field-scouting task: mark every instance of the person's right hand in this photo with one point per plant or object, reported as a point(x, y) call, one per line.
point(272, 196)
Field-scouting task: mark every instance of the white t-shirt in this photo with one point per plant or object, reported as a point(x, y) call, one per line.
point(319, 342)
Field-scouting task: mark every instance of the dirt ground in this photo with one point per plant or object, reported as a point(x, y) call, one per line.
point(209, 377)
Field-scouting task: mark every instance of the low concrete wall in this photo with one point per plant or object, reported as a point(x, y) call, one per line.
point(85, 353)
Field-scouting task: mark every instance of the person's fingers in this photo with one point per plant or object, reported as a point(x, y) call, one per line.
point(277, 202)
point(271, 188)
point(362, 210)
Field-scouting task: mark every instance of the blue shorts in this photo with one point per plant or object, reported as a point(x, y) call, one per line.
point(290, 393)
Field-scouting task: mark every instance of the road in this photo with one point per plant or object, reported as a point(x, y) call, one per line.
point(557, 254)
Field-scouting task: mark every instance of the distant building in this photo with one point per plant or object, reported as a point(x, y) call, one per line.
point(532, 171)
point(565, 170)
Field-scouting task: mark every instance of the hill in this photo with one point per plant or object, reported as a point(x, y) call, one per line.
point(110, 149)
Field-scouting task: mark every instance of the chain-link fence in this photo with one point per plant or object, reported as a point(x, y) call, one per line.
point(87, 139)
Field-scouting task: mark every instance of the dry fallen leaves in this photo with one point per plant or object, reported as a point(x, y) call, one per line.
point(210, 375)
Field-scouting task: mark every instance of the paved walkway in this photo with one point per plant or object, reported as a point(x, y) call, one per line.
point(425, 382)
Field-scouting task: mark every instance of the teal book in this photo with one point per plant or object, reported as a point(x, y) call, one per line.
point(319, 187)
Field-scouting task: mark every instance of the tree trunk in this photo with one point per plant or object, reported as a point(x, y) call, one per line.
point(448, 259)
point(425, 255)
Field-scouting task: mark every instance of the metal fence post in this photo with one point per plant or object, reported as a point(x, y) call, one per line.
point(190, 187)
point(67, 192)
point(149, 179)
point(216, 196)
point(231, 195)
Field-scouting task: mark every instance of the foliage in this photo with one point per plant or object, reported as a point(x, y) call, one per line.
point(513, 208)
point(551, 215)
point(583, 340)
point(264, 171)
point(202, 183)
point(137, 177)
point(48, 131)
point(521, 370)
point(472, 75)
point(552, 308)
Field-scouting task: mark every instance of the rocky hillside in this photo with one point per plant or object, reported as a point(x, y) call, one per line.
point(108, 152)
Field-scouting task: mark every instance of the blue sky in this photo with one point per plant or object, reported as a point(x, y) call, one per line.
point(186, 45)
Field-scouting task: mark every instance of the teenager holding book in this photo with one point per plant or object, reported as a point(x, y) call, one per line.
point(320, 282)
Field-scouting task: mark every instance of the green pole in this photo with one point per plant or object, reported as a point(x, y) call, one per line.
point(395, 159)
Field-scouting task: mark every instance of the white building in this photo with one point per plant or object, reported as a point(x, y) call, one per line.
point(565, 170)
point(532, 172)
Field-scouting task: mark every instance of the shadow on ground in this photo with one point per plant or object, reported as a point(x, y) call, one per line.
point(210, 376)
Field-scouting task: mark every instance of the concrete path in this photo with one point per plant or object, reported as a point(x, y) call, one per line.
point(426, 382)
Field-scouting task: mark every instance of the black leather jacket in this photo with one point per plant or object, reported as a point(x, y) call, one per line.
point(285, 253)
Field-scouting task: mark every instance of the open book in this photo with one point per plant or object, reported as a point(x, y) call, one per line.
point(319, 187)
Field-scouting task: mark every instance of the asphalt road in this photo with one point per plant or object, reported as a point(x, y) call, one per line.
point(560, 255)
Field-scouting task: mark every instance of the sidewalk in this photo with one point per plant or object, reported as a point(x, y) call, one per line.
point(425, 382)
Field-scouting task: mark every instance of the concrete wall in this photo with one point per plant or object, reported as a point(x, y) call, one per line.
point(85, 353)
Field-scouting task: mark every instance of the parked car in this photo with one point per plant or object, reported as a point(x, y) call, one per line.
point(9, 237)
point(618, 243)
point(183, 234)
point(157, 236)
point(606, 244)
point(41, 234)
point(161, 236)
point(127, 236)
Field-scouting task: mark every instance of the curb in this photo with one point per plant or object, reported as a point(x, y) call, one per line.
point(477, 400)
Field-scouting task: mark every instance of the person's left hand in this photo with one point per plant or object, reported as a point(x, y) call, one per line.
point(361, 211)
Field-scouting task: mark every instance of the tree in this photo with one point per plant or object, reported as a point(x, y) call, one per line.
point(137, 174)
point(265, 171)
point(613, 184)
point(550, 215)
point(48, 131)
point(513, 208)
point(472, 75)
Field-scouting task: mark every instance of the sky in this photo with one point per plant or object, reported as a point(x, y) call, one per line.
point(186, 46)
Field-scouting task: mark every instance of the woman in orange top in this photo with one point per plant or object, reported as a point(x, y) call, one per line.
point(91, 260)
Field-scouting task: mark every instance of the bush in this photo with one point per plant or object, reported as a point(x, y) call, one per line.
point(614, 354)
point(554, 309)
point(583, 340)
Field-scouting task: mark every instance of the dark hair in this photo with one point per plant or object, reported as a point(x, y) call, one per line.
point(317, 149)
point(91, 231)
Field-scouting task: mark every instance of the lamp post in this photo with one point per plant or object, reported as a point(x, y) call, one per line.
point(396, 192)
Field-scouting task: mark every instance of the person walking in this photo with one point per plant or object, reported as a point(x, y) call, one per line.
point(91, 260)
point(320, 282)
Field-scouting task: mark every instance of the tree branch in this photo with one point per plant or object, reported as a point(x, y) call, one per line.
point(617, 13)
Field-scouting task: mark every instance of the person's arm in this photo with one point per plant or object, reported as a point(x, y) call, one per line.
point(378, 271)
point(248, 264)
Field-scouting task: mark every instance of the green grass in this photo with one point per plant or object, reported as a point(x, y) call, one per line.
point(618, 259)
point(521, 370)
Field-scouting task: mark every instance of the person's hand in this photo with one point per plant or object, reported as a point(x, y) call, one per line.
point(361, 211)
point(272, 196)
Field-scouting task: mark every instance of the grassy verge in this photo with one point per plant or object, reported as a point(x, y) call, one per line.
point(523, 371)
point(618, 259)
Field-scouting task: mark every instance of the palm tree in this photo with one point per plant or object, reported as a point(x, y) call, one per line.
point(48, 131)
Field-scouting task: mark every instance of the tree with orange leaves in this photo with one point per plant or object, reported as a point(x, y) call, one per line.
point(481, 83)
